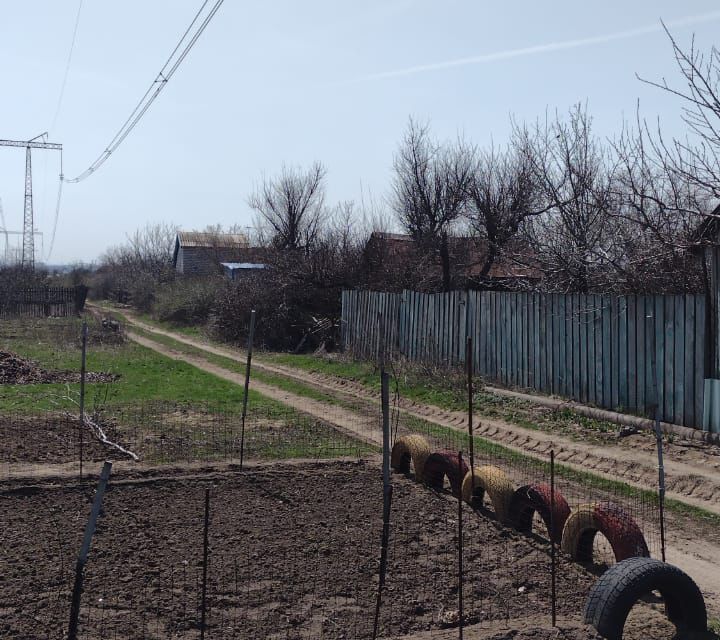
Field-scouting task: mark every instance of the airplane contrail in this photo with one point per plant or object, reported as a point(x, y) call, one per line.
point(546, 48)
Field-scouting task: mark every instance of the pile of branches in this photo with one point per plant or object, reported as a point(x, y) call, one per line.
point(17, 370)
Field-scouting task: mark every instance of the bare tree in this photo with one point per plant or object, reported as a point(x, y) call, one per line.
point(502, 191)
point(291, 206)
point(576, 239)
point(429, 189)
point(133, 270)
point(696, 159)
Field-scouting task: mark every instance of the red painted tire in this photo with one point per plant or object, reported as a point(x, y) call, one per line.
point(441, 464)
point(537, 498)
point(617, 525)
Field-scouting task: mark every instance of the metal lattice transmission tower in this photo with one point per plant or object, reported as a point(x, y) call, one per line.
point(38, 142)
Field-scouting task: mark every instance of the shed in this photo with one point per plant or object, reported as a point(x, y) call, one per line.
point(234, 270)
point(199, 253)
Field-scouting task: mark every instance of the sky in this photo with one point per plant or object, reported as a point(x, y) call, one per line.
point(289, 82)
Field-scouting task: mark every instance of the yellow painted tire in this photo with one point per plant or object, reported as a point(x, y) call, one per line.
point(493, 481)
point(407, 449)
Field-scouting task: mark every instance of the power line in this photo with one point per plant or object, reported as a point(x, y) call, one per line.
point(67, 67)
point(57, 216)
point(162, 78)
point(52, 127)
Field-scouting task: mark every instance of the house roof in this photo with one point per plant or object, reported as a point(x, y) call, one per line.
point(384, 235)
point(243, 265)
point(213, 240)
point(516, 261)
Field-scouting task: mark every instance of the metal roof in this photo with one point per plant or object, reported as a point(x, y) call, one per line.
point(201, 239)
point(243, 265)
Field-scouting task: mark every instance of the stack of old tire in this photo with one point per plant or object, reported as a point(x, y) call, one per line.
point(634, 575)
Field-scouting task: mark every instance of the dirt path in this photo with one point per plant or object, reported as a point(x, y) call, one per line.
point(366, 428)
point(696, 483)
point(689, 549)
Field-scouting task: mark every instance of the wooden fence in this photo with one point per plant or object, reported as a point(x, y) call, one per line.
point(41, 302)
point(608, 351)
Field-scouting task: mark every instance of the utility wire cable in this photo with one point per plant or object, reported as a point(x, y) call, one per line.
point(57, 215)
point(162, 78)
point(67, 67)
point(54, 122)
point(57, 210)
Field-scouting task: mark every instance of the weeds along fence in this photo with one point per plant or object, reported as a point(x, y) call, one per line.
point(622, 353)
point(41, 302)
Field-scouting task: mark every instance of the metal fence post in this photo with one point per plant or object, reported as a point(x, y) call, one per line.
point(658, 439)
point(387, 495)
point(661, 483)
point(83, 370)
point(206, 527)
point(461, 616)
point(251, 337)
point(553, 555)
point(469, 366)
point(85, 549)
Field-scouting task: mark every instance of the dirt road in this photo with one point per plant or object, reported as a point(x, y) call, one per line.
point(692, 549)
point(692, 474)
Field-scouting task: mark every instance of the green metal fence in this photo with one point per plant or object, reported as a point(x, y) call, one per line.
point(608, 351)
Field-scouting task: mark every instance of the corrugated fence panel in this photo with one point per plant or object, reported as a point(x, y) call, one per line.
point(624, 353)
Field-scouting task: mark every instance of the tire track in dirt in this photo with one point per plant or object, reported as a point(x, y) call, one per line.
point(698, 558)
point(699, 487)
point(350, 423)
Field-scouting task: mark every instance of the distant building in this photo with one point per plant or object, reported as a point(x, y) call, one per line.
point(198, 254)
point(388, 252)
point(236, 270)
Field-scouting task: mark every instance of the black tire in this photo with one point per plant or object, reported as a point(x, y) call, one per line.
point(620, 587)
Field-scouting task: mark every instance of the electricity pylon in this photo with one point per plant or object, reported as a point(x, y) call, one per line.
point(28, 250)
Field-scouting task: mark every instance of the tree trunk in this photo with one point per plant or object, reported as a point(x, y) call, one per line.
point(445, 260)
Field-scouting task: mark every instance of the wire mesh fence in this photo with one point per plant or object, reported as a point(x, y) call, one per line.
point(480, 533)
point(294, 551)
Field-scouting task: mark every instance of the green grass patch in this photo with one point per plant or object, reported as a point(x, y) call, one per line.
point(191, 331)
point(166, 409)
point(276, 380)
point(143, 375)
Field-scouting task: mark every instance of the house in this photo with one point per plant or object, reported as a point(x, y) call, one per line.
point(198, 254)
point(390, 252)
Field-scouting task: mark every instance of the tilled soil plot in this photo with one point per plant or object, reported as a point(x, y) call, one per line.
point(293, 553)
point(51, 439)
